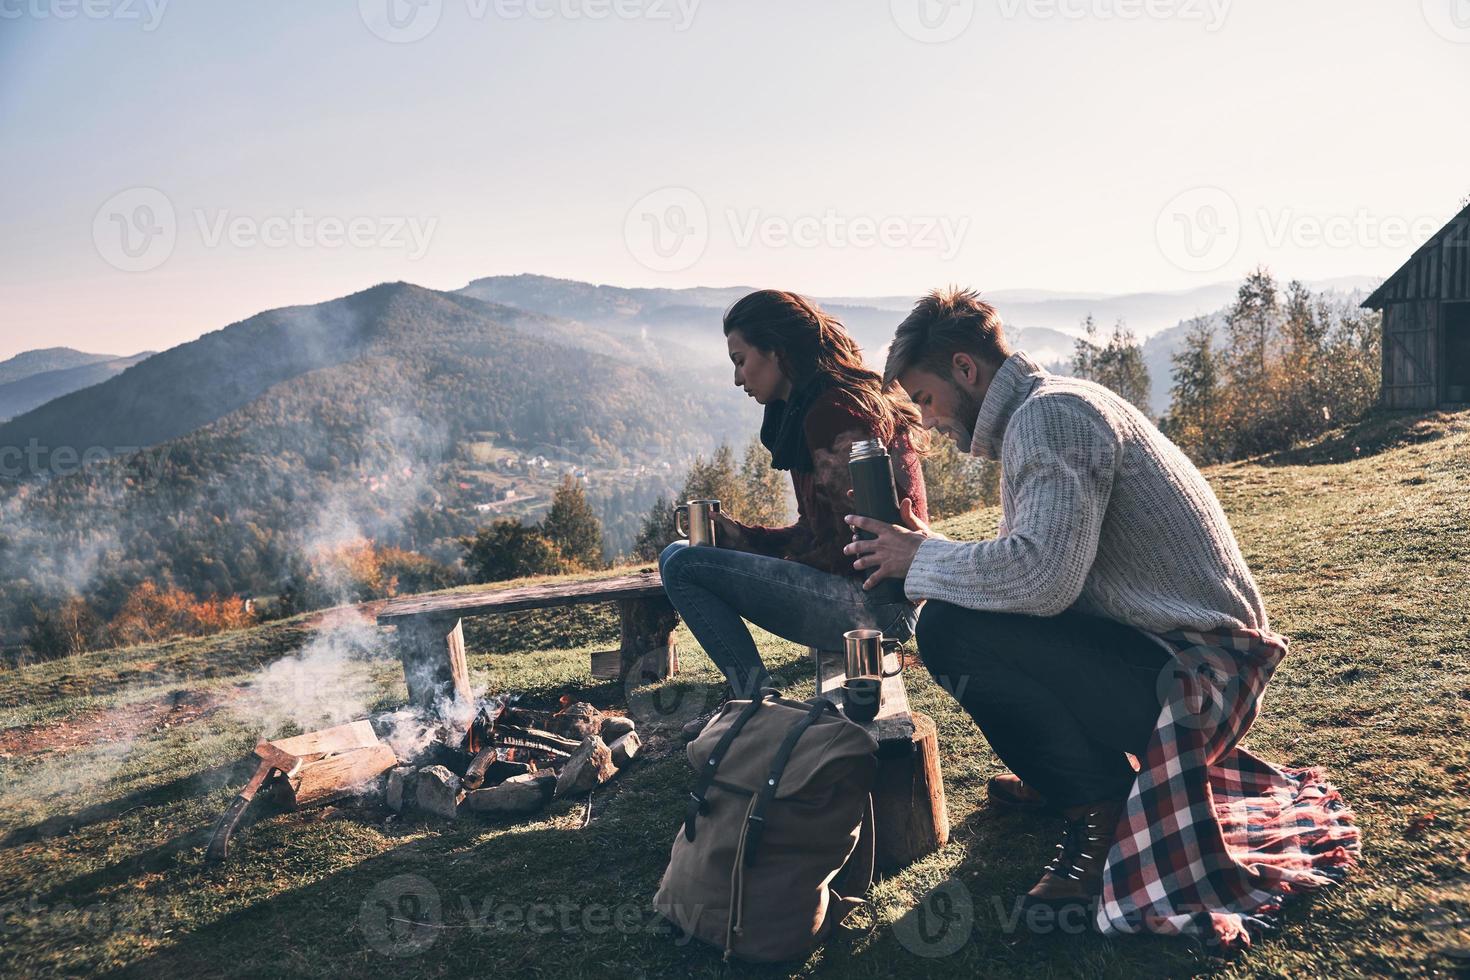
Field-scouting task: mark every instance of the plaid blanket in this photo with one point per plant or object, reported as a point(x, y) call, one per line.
point(1213, 837)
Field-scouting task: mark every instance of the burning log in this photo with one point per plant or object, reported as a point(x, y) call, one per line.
point(574, 721)
point(536, 736)
point(474, 774)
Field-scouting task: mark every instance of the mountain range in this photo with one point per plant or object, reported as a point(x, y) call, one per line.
point(374, 414)
point(33, 378)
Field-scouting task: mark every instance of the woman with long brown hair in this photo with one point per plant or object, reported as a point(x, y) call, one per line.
point(794, 581)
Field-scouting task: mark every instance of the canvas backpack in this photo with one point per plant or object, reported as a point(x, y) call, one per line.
point(776, 847)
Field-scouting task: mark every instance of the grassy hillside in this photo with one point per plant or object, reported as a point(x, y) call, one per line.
point(116, 763)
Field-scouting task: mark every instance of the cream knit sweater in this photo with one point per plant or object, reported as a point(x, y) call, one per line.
point(1100, 513)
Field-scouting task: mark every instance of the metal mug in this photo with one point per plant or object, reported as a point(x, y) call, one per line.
point(698, 521)
point(864, 649)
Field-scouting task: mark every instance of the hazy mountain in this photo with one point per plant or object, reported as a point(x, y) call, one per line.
point(354, 416)
point(30, 362)
point(26, 393)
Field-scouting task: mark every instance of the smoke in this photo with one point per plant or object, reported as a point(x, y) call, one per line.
point(329, 681)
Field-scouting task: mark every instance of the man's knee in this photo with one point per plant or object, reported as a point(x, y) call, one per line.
point(938, 628)
point(951, 646)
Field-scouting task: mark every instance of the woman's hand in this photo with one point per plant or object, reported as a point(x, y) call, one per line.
point(728, 534)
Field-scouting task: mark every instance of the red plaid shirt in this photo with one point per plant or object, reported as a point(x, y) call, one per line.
point(1214, 838)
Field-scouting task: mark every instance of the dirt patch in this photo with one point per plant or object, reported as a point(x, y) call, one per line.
point(112, 724)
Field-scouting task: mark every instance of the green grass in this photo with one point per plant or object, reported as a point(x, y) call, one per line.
point(1360, 543)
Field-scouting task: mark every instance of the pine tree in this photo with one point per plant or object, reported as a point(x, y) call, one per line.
point(1085, 351)
point(1117, 365)
point(762, 498)
point(657, 531)
point(1196, 420)
point(715, 479)
point(1120, 366)
point(572, 525)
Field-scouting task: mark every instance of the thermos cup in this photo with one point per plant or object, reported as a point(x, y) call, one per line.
point(862, 691)
point(874, 495)
point(695, 520)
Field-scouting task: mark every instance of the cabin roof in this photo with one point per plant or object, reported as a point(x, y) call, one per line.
point(1378, 299)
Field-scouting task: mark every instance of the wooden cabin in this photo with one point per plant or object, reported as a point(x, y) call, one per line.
point(1426, 322)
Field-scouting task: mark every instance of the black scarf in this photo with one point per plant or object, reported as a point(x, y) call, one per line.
point(783, 431)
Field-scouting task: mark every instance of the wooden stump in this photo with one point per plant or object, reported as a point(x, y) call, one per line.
point(647, 642)
point(432, 653)
point(908, 800)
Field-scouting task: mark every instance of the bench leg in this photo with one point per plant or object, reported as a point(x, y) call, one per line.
point(432, 652)
point(648, 642)
point(909, 814)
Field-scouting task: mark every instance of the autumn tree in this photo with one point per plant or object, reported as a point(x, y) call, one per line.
point(956, 482)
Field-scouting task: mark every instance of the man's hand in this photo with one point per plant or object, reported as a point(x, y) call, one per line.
point(892, 552)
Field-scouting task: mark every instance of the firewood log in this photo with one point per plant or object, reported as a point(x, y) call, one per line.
point(334, 777)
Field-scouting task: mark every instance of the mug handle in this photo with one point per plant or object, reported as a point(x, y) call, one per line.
point(897, 655)
point(681, 526)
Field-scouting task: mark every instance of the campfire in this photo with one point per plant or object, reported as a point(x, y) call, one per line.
point(496, 757)
point(513, 760)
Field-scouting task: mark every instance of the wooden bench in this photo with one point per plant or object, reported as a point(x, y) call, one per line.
point(431, 631)
point(909, 811)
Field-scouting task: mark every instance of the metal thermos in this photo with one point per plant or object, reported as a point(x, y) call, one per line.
point(695, 520)
point(874, 495)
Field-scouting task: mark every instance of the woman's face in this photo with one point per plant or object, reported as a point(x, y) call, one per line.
point(757, 371)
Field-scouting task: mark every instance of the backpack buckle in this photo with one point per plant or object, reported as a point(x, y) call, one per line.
point(695, 808)
point(755, 827)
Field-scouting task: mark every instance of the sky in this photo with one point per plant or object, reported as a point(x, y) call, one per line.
point(173, 167)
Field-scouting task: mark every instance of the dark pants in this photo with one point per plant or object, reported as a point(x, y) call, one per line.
point(1059, 698)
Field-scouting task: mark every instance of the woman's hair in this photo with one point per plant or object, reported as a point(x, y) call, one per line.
point(807, 341)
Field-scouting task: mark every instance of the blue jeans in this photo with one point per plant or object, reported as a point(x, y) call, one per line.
point(716, 589)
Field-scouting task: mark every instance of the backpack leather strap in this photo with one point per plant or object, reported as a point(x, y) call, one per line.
point(756, 822)
point(697, 804)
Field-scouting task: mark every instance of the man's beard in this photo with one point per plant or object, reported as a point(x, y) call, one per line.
point(962, 427)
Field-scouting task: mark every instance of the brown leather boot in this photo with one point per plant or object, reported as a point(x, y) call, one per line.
point(1074, 877)
point(1008, 790)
